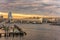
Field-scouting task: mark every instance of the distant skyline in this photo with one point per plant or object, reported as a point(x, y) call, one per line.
point(43, 7)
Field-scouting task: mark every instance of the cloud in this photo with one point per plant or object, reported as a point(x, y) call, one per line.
point(31, 6)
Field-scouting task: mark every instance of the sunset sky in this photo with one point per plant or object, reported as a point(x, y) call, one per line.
point(43, 7)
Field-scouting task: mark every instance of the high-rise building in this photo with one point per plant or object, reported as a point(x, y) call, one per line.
point(9, 16)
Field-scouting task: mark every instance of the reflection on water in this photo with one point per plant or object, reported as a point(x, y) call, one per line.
point(11, 38)
point(37, 32)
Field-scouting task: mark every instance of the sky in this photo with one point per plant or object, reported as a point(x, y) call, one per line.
point(42, 7)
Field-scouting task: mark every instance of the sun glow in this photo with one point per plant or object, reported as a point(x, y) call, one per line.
point(20, 15)
point(16, 15)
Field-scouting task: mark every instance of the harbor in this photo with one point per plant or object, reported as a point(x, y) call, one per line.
point(29, 19)
point(29, 28)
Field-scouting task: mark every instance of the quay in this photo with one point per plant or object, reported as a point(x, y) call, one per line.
point(11, 31)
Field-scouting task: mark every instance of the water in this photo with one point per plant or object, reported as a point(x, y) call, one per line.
point(37, 32)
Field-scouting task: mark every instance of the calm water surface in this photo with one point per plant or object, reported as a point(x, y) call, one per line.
point(38, 32)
